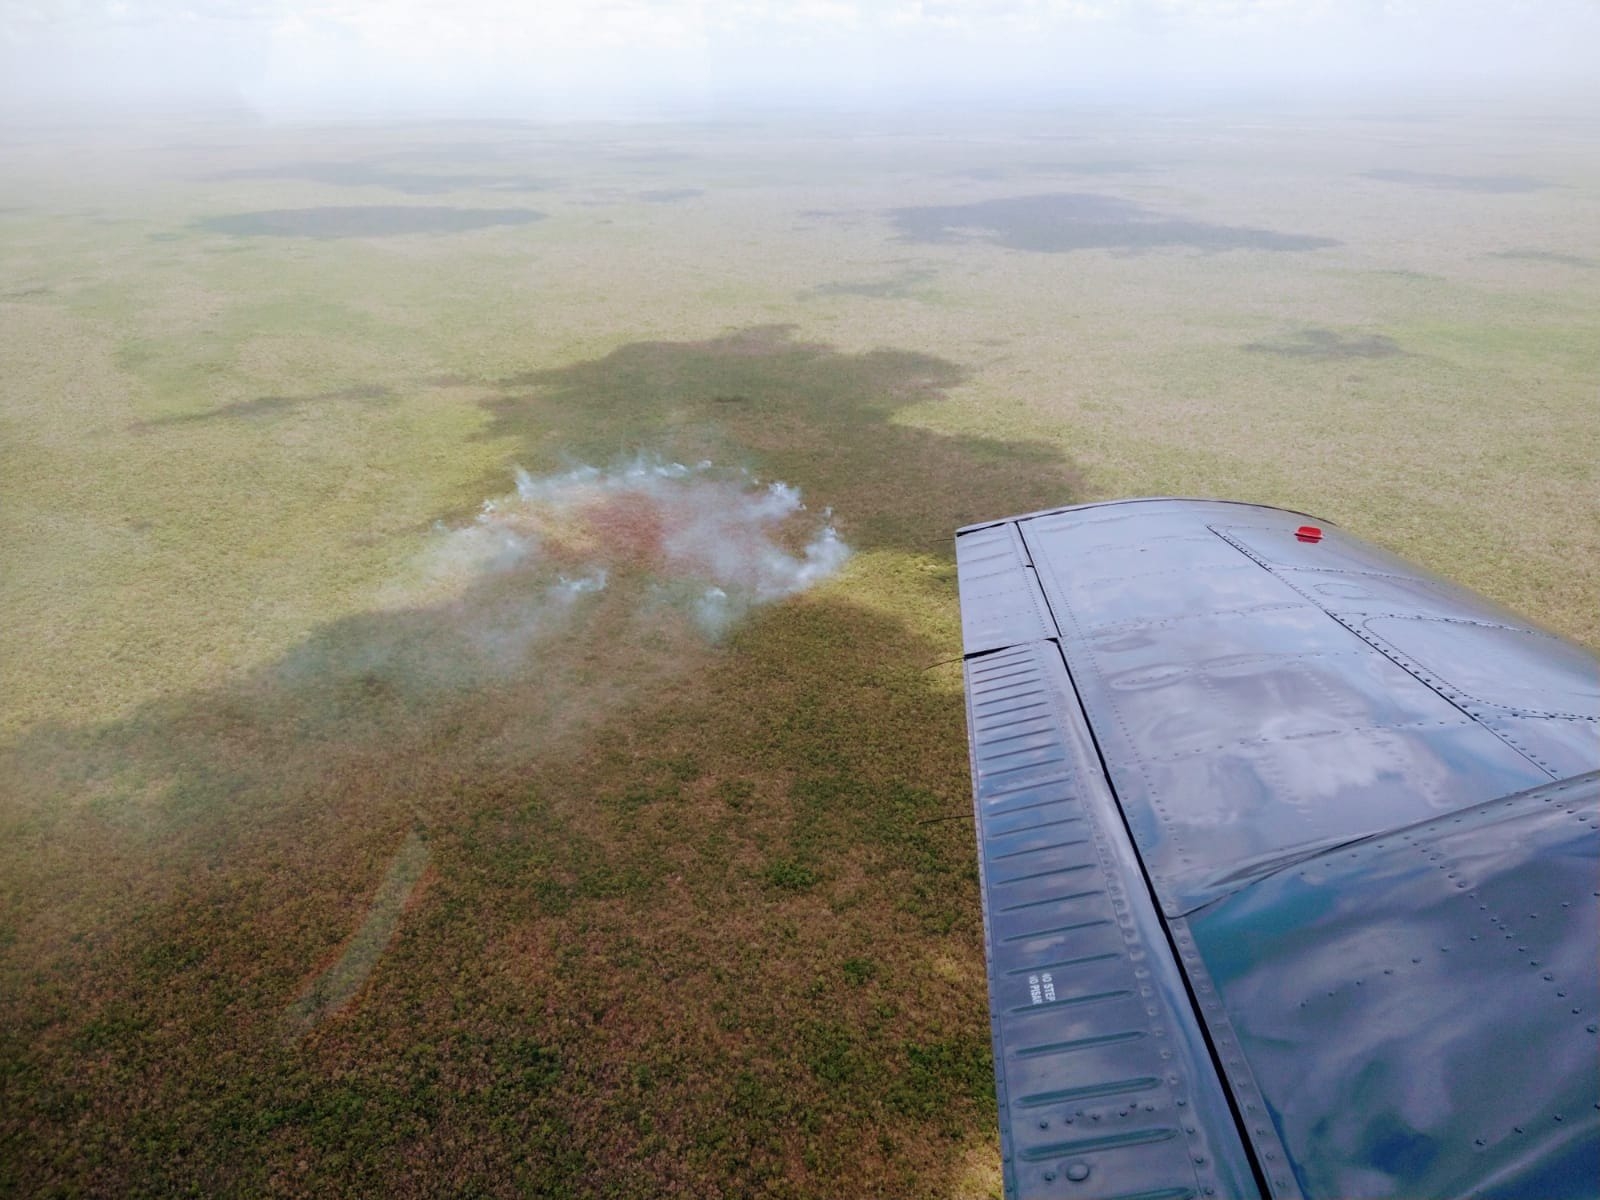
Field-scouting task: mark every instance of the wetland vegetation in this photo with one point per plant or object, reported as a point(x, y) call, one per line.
point(377, 819)
point(363, 220)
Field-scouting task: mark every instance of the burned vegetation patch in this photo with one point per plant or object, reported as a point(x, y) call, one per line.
point(1494, 184)
point(362, 221)
point(1058, 222)
point(1328, 344)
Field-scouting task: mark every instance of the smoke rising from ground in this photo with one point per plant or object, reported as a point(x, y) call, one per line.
point(706, 543)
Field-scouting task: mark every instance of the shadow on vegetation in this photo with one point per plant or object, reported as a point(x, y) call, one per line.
point(364, 174)
point(684, 954)
point(683, 898)
point(799, 411)
point(671, 195)
point(269, 406)
point(363, 221)
point(1066, 221)
point(1461, 183)
point(1326, 343)
point(1546, 256)
point(900, 286)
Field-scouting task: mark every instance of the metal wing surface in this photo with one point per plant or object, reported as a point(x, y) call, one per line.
point(1289, 862)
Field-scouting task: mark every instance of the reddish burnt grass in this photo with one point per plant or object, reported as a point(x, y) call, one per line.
point(630, 527)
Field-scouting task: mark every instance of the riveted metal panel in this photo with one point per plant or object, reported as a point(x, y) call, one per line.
point(1467, 661)
point(1563, 748)
point(1103, 1076)
point(1243, 724)
point(1417, 1012)
point(1539, 694)
point(1254, 703)
point(1358, 594)
point(1001, 604)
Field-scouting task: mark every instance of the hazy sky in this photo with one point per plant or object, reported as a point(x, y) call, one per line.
point(557, 57)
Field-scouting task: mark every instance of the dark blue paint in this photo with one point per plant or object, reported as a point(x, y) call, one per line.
point(1455, 953)
point(1334, 774)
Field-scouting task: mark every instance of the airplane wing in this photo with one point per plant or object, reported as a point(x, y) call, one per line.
point(1289, 858)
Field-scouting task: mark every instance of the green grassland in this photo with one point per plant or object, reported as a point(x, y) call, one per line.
point(297, 899)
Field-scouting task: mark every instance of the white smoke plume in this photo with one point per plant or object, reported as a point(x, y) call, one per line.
point(707, 542)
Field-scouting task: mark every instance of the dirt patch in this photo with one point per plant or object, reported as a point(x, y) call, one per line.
point(1059, 222)
point(359, 221)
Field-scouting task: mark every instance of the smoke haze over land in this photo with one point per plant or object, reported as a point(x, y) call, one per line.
point(710, 544)
point(321, 58)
